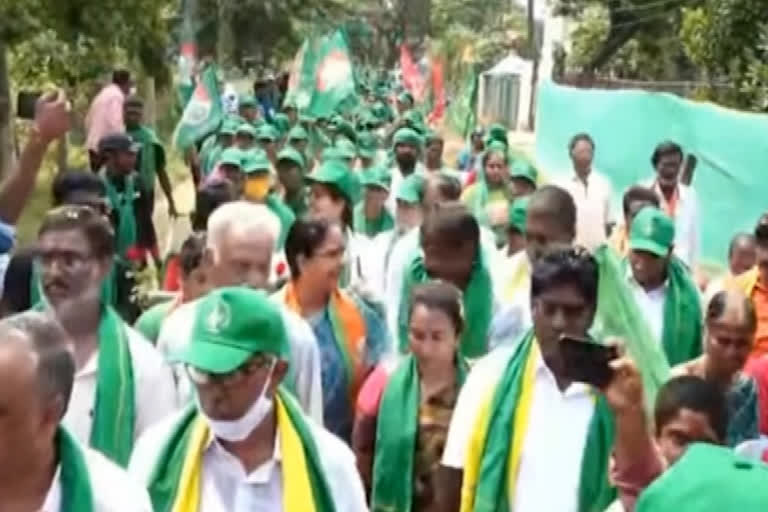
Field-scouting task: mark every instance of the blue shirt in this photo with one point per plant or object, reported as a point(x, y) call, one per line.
point(338, 412)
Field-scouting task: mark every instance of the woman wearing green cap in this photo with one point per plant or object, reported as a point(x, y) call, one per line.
point(334, 190)
point(404, 408)
point(489, 196)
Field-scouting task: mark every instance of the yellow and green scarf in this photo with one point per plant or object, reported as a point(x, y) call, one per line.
point(76, 491)
point(495, 449)
point(477, 299)
point(396, 434)
point(175, 483)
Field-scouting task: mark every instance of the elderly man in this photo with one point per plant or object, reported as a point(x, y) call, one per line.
point(246, 444)
point(44, 467)
point(122, 384)
point(240, 249)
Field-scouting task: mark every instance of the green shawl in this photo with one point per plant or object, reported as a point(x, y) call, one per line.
point(151, 155)
point(477, 299)
point(396, 434)
point(284, 213)
point(595, 491)
point(373, 227)
point(165, 477)
point(114, 412)
point(76, 491)
point(126, 234)
point(681, 337)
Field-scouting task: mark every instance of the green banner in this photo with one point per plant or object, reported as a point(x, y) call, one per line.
point(462, 112)
point(731, 149)
point(203, 112)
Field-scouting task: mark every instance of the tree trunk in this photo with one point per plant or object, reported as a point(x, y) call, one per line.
point(62, 153)
point(225, 45)
point(535, 57)
point(7, 157)
point(150, 101)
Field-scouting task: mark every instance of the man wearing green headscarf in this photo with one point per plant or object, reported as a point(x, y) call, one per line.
point(249, 109)
point(122, 384)
point(44, 466)
point(407, 147)
point(290, 170)
point(267, 137)
point(243, 409)
point(151, 157)
point(215, 144)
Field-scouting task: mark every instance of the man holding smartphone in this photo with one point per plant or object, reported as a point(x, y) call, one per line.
point(510, 416)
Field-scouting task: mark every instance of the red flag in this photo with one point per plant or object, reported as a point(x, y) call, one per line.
point(438, 91)
point(412, 78)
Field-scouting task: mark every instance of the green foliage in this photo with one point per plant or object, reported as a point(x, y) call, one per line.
point(728, 41)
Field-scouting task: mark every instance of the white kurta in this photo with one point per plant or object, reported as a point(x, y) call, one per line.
point(226, 487)
point(154, 389)
point(550, 465)
point(114, 490)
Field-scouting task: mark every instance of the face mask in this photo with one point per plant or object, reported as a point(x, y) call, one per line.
point(239, 429)
point(256, 189)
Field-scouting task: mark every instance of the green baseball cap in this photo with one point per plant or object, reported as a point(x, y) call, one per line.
point(267, 132)
point(229, 127)
point(290, 154)
point(232, 156)
point(498, 132)
point(708, 478)
point(407, 136)
point(524, 170)
point(281, 123)
point(246, 100)
point(298, 133)
point(518, 212)
point(366, 145)
point(405, 97)
point(652, 231)
point(336, 173)
point(331, 153)
point(230, 326)
point(256, 161)
point(411, 189)
point(247, 129)
point(377, 176)
point(346, 148)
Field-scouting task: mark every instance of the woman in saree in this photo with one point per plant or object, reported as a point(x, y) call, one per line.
point(405, 407)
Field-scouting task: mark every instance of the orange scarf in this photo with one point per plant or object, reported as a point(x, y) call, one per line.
point(348, 329)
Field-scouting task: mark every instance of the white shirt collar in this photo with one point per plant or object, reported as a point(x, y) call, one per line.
point(260, 475)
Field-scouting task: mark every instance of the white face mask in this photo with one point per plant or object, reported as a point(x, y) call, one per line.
point(239, 429)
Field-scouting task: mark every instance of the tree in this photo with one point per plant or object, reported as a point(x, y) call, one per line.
point(608, 25)
point(728, 41)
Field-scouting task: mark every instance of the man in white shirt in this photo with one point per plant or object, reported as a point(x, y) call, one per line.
point(253, 447)
point(122, 385)
point(522, 398)
point(240, 247)
point(677, 200)
point(592, 193)
point(44, 468)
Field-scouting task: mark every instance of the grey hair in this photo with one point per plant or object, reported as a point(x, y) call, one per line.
point(239, 216)
point(49, 343)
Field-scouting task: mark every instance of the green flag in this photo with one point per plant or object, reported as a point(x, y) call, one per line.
point(203, 113)
point(462, 111)
point(322, 77)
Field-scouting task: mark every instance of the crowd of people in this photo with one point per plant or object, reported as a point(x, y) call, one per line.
point(356, 324)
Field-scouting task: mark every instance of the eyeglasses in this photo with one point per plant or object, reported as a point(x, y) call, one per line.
point(228, 380)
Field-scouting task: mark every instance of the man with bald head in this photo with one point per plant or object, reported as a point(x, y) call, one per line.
point(240, 250)
point(43, 466)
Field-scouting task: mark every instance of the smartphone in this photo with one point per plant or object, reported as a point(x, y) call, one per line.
point(26, 101)
point(585, 360)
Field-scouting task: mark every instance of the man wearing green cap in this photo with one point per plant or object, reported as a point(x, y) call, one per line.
point(245, 433)
point(347, 151)
point(214, 145)
point(407, 148)
point(404, 102)
point(257, 188)
point(522, 179)
point(290, 171)
point(245, 137)
point(249, 110)
point(662, 286)
point(298, 138)
point(44, 467)
point(371, 217)
point(267, 137)
point(230, 168)
point(367, 150)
